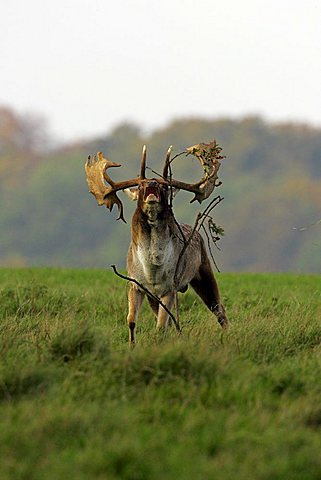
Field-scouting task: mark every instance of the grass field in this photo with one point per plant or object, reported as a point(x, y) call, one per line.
point(76, 403)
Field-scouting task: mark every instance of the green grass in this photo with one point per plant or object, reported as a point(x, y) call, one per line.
point(76, 403)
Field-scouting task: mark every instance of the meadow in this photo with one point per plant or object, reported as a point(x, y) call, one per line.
point(77, 403)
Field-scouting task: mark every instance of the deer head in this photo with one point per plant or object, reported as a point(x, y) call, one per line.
point(155, 192)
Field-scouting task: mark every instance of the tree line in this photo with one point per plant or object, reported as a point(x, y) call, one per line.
point(271, 188)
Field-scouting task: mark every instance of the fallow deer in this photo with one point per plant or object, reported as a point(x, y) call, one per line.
point(164, 256)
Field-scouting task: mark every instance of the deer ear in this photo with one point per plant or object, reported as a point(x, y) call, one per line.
point(132, 193)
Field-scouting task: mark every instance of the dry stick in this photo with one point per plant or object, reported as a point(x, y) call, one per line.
point(206, 213)
point(201, 216)
point(157, 173)
point(178, 155)
point(171, 198)
point(210, 207)
point(170, 186)
point(177, 308)
point(183, 239)
point(209, 248)
point(181, 232)
point(150, 294)
point(153, 171)
point(186, 244)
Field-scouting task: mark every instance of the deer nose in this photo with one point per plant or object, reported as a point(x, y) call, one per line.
point(153, 183)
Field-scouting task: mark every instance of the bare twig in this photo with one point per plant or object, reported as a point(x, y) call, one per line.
point(186, 244)
point(302, 229)
point(150, 294)
point(209, 248)
point(169, 164)
point(153, 171)
point(171, 197)
point(177, 307)
point(178, 155)
point(209, 208)
point(170, 186)
point(199, 223)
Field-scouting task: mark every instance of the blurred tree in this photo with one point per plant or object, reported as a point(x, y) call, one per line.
point(23, 141)
point(271, 184)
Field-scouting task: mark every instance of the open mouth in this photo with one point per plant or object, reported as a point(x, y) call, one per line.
point(151, 194)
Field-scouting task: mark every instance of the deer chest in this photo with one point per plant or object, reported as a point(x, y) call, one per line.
point(154, 265)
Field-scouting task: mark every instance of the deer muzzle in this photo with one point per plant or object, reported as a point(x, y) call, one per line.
point(152, 193)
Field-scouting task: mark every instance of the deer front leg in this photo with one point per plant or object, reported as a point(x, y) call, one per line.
point(162, 317)
point(135, 300)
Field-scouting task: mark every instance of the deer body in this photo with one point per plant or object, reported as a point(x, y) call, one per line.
point(163, 256)
point(152, 260)
point(155, 261)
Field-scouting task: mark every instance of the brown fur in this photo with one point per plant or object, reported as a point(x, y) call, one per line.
point(153, 256)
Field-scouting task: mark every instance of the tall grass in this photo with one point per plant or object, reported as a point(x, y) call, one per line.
point(76, 403)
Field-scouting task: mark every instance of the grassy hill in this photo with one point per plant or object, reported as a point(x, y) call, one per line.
point(77, 403)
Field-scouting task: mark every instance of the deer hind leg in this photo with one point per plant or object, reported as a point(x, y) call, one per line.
point(206, 287)
point(154, 305)
point(135, 300)
point(162, 318)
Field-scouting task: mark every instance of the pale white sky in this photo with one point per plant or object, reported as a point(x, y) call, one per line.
point(87, 65)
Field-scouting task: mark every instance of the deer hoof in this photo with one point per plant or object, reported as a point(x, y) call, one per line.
point(224, 323)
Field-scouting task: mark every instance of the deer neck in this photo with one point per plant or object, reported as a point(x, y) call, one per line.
point(152, 235)
point(153, 216)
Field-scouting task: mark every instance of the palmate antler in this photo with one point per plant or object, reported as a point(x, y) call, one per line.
point(209, 155)
point(96, 176)
point(104, 188)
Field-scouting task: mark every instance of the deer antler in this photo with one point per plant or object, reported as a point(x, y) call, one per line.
point(209, 156)
point(96, 176)
point(143, 163)
point(104, 188)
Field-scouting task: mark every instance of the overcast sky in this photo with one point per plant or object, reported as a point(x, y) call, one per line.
point(87, 65)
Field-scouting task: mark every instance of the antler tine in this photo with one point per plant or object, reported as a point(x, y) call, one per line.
point(143, 163)
point(167, 159)
point(96, 176)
